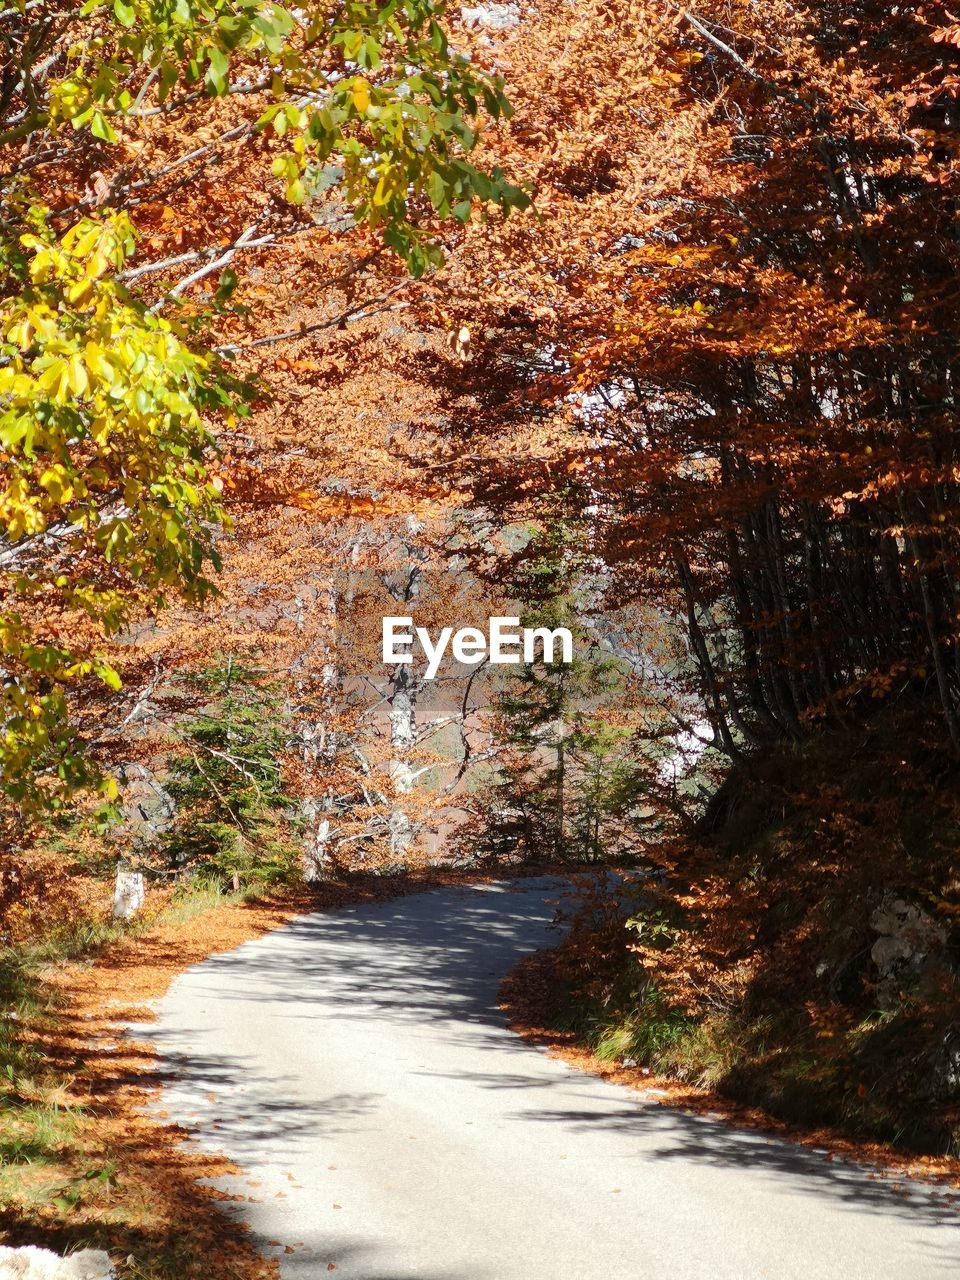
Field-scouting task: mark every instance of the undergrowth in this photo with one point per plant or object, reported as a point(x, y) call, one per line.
point(749, 968)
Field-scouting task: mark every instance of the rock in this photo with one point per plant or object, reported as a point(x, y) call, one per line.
point(945, 1069)
point(146, 809)
point(909, 937)
point(31, 1263)
point(887, 953)
point(90, 1264)
point(128, 894)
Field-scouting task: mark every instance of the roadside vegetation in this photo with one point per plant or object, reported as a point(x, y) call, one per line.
point(80, 1165)
point(798, 952)
point(85, 1162)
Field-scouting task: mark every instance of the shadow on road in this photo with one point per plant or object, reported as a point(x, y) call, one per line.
point(667, 1134)
point(436, 961)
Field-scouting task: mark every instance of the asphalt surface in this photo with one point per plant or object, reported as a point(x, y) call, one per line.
point(356, 1067)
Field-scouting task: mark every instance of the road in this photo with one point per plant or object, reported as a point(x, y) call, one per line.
point(356, 1067)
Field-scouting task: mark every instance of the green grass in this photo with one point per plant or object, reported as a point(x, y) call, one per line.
point(647, 1031)
point(58, 1180)
point(201, 895)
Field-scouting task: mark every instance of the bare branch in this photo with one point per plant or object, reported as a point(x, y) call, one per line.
point(352, 313)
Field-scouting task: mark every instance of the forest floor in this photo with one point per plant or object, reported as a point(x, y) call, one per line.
point(83, 1161)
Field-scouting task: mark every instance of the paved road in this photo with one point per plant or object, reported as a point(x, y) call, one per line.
point(357, 1063)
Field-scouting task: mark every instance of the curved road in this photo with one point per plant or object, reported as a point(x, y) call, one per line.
point(356, 1067)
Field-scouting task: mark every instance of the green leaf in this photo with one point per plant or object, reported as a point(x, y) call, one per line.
point(109, 677)
point(218, 66)
point(437, 190)
point(169, 75)
point(101, 127)
point(296, 192)
point(228, 283)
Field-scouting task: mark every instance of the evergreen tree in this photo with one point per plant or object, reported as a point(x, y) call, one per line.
point(234, 817)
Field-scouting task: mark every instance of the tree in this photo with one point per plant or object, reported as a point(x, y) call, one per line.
point(226, 778)
point(372, 96)
point(389, 747)
point(737, 330)
point(106, 503)
point(569, 778)
point(112, 507)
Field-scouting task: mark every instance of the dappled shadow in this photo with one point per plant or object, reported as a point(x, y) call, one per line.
point(167, 1216)
point(400, 1000)
point(437, 957)
point(434, 959)
point(241, 1106)
point(502, 1079)
point(660, 1133)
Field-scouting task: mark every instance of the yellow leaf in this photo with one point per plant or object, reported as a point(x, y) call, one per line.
point(361, 96)
point(80, 290)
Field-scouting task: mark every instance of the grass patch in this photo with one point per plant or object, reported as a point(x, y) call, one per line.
point(77, 1169)
point(866, 1081)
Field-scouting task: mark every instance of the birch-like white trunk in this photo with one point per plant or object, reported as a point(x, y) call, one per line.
point(405, 686)
point(128, 894)
point(318, 745)
point(403, 737)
